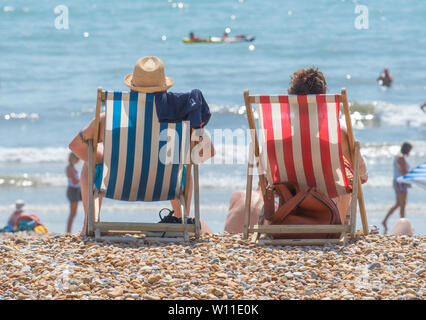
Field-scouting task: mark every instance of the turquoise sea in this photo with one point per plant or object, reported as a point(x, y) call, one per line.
point(49, 77)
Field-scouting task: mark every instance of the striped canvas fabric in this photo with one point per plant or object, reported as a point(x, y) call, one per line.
point(416, 176)
point(143, 158)
point(301, 141)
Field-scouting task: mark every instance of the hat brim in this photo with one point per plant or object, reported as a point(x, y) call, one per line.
point(128, 82)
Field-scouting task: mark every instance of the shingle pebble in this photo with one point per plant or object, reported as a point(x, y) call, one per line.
point(217, 266)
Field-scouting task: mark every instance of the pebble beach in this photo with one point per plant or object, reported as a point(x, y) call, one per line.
point(218, 266)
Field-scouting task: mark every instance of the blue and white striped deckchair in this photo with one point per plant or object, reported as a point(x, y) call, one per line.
point(416, 176)
point(144, 160)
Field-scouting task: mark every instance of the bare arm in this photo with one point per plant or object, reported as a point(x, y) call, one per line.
point(203, 149)
point(347, 153)
point(80, 147)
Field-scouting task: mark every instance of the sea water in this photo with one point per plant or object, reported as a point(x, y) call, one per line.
point(54, 55)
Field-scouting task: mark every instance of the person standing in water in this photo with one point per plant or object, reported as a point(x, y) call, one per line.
point(400, 168)
point(73, 190)
point(385, 79)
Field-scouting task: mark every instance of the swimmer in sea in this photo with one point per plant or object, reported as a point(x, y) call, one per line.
point(385, 79)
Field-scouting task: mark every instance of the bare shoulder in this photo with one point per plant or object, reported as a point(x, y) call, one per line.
point(236, 195)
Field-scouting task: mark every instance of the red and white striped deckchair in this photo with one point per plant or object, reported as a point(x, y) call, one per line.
point(301, 143)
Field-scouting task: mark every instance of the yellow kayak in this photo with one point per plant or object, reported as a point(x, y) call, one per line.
point(207, 40)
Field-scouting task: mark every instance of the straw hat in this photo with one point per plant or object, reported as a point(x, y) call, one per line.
point(148, 76)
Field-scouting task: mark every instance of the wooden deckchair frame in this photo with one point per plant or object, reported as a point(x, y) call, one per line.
point(350, 222)
point(111, 231)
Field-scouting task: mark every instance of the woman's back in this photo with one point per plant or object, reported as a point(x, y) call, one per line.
point(398, 170)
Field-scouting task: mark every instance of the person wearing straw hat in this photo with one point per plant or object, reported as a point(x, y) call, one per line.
point(149, 77)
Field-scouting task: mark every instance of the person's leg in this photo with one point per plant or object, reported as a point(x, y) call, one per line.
point(399, 200)
point(391, 210)
point(85, 195)
point(343, 203)
point(402, 200)
point(73, 212)
point(176, 203)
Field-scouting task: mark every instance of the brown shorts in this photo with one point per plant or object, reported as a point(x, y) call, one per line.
point(74, 194)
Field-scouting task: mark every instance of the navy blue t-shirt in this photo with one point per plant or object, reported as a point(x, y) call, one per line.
point(177, 107)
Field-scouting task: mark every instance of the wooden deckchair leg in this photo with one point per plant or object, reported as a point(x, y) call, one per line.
point(90, 188)
point(355, 188)
point(96, 206)
point(352, 146)
point(188, 169)
point(253, 132)
point(93, 147)
point(96, 127)
point(249, 187)
point(197, 202)
point(185, 198)
point(183, 216)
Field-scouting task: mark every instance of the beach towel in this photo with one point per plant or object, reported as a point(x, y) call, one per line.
point(30, 222)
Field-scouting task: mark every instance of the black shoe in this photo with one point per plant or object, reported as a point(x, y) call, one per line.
point(170, 218)
point(190, 220)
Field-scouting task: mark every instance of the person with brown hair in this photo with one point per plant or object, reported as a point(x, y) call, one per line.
point(400, 168)
point(312, 81)
point(308, 81)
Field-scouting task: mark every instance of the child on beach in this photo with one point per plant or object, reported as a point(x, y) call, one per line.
point(400, 168)
point(73, 189)
point(19, 209)
point(149, 77)
point(312, 81)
